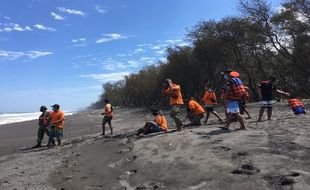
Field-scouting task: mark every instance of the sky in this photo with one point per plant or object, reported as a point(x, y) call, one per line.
point(62, 51)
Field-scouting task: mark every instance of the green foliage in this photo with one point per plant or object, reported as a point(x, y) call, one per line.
point(258, 44)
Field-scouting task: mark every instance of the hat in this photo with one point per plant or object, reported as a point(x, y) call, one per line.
point(234, 74)
point(56, 106)
point(43, 108)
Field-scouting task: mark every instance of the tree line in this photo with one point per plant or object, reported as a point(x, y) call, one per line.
point(259, 43)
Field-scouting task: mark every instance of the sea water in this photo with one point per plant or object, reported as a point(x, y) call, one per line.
point(6, 118)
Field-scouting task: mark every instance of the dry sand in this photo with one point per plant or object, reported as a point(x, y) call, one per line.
point(269, 155)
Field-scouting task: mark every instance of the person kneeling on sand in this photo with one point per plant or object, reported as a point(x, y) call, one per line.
point(57, 125)
point(108, 116)
point(195, 111)
point(234, 93)
point(44, 123)
point(209, 99)
point(159, 124)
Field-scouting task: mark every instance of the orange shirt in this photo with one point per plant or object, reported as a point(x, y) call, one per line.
point(58, 116)
point(208, 96)
point(295, 103)
point(162, 122)
point(108, 110)
point(175, 94)
point(195, 107)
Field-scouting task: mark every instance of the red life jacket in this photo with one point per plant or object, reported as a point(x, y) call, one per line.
point(238, 90)
point(295, 103)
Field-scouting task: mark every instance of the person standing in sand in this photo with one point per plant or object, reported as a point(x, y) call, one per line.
point(265, 91)
point(108, 116)
point(209, 99)
point(175, 100)
point(44, 123)
point(57, 125)
point(234, 93)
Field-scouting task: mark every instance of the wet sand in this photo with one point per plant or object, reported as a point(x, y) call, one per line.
point(269, 155)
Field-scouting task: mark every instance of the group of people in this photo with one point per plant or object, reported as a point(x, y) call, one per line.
point(51, 123)
point(234, 96)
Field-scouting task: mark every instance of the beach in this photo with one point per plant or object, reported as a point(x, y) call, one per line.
point(269, 155)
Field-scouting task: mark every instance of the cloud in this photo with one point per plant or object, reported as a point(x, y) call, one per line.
point(100, 9)
point(79, 40)
point(111, 37)
point(7, 18)
point(11, 55)
point(9, 27)
point(42, 27)
point(107, 77)
point(139, 50)
point(56, 16)
point(71, 11)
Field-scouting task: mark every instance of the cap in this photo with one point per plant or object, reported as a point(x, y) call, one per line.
point(55, 106)
point(234, 74)
point(43, 108)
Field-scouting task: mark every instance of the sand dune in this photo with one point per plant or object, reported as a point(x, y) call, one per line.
point(269, 155)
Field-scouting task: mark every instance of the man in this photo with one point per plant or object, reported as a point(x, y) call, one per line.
point(209, 99)
point(108, 116)
point(265, 91)
point(44, 123)
point(159, 124)
point(175, 100)
point(235, 92)
point(195, 111)
point(57, 125)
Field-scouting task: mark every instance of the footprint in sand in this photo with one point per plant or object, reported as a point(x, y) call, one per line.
point(127, 174)
point(221, 148)
point(278, 180)
point(247, 169)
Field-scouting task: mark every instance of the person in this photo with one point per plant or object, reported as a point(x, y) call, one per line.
point(44, 123)
point(265, 91)
point(159, 124)
point(195, 111)
point(108, 116)
point(235, 92)
point(209, 99)
point(57, 125)
point(296, 105)
point(175, 100)
point(242, 104)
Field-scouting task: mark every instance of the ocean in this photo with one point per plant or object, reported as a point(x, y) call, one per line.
point(7, 118)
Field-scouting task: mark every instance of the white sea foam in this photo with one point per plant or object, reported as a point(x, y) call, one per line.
point(7, 118)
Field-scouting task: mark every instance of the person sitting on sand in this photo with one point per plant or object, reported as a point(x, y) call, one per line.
point(209, 99)
point(235, 92)
point(296, 105)
point(44, 123)
point(57, 125)
point(108, 116)
point(175, 100)
point(195, 111)
point(159, 124)
point(265, 91)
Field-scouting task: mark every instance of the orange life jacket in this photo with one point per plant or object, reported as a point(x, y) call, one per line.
point(295, 103)
point(238, 90)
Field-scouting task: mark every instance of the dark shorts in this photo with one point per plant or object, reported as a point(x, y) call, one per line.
point(209, 108)
point(107, 119)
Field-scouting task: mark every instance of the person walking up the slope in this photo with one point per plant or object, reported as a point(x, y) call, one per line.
point(57, 125)
point(175, 100)
point(209, 99)
point(44, 123)
point(108, 116)
point(265, 91)
point(234, 93)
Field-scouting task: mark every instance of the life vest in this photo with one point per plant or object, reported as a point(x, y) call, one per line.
point(295, 103)
point(238, 90)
